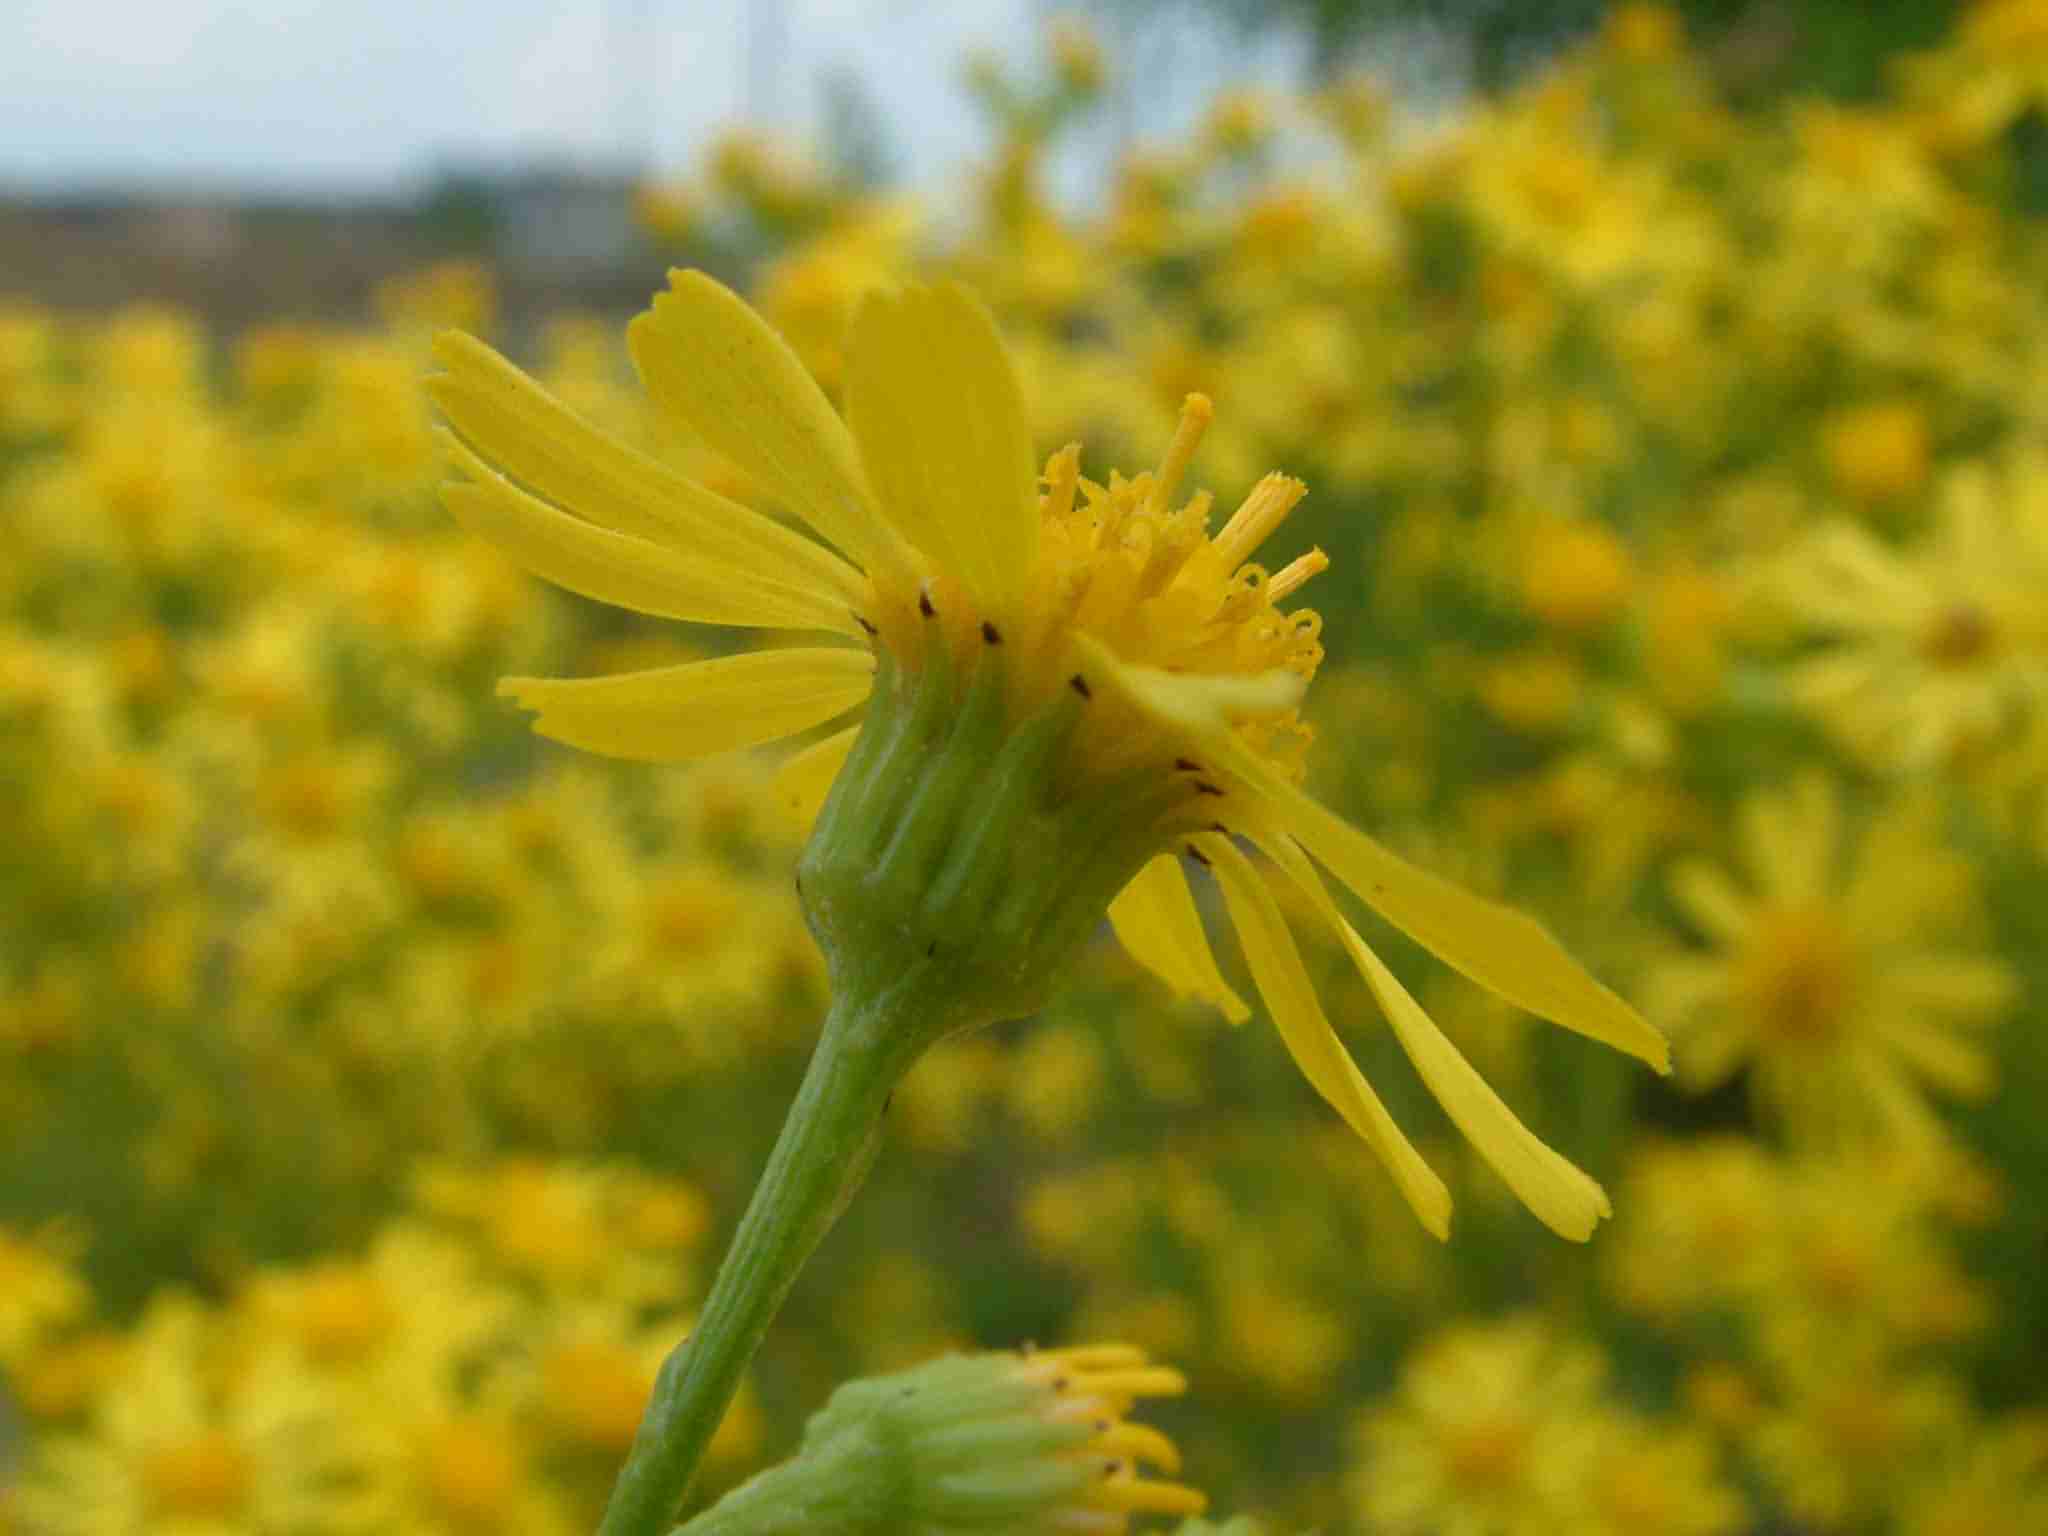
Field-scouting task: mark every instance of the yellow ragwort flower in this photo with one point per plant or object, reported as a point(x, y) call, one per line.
point(1930, 649)
point(941, 553)
point(1847, 986)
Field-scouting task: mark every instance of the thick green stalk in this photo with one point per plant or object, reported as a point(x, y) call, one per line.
point(824, 1152)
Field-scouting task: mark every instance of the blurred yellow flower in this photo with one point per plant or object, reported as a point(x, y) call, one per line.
point(1878, 453)
point(1575, 574)
point(1851, 1438)
point(194, 1442)
point(1933, 649)
point(1702, 1216)
point(40, 1290)
point(1640, 1480)
point(1482, 1436)
point(1841, 969)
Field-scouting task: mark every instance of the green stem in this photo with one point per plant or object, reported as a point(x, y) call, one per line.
point(824, 1152)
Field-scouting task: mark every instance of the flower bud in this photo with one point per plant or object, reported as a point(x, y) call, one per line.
point(1001, 1444)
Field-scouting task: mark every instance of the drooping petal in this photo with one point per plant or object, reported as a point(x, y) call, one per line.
point(1561, 1196)
point(522, 429)
point(940, 420)
point(1155, 918)
point(708, 359)
point(700, 708)
point(620, 569)
point(1290, 996)
point(1503, 950)
point(803, 782)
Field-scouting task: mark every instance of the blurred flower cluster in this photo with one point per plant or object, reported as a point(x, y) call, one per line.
point(376, 1083)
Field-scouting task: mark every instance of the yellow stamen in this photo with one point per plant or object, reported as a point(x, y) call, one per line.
point(1138, 1442)
point(1294, 575)
point(1195, 415)
point(1175, 544)
point(1264, 510)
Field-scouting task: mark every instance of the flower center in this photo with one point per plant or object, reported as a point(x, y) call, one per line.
point(1018, 767)
point(1139, 574)
point(1960, 636)
point(596, 1392)
point(343, 1315)
point(469, 1474)
point(1801, 977)
point(689, 914)
point(1486, 1457)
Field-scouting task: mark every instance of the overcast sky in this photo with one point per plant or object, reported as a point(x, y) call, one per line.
point(363, 93)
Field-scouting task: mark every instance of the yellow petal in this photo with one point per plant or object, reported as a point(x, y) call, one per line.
point(1707, 896)
point(1290, 996)
point(803, 782)
point(701, 707)
point(706, 357)
point(523, 430)
point(1503, 950)
point(1155, 918)
point(1957, 1066)
point(617, 568)
point(1562, 1198)
point(940, 420)
point(1204, 706)
point(1968, 989)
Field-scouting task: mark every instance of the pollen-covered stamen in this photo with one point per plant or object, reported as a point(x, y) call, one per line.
point(1179, 536)
point(1265, 509)
point(1196, 413)
point(1294, 575)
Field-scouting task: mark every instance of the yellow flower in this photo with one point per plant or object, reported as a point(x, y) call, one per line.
point(938, 549)
point(1575, 573)
point(1482, 1436)
point(604, 1233)
point(1932, 649)
point(193, 1442)
point(393, 1326)
point(1857, 1267)
point(1702, 1214)
point(1836, 980)
point(1847, 1443)
point(40, 1291)
point(469, 1474)
point(1879, 452)
point(1995, 1483)
point(1643, 1481)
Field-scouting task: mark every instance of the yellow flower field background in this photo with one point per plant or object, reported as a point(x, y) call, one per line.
point(378, 1084)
